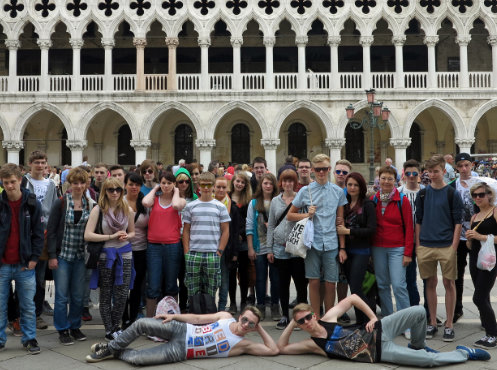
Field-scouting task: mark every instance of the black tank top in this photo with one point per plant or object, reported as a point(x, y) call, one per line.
point(351, 342)
point(488, 226)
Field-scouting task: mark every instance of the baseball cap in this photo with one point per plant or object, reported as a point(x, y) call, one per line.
point(463, 157)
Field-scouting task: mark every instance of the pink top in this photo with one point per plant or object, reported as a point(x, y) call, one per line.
point(164, 224)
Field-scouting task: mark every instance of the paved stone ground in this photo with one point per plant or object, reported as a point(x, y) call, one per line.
point(55, 356)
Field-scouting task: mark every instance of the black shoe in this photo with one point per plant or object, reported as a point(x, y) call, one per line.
point(282, 324)
point(65, 338)
point(77, 334)
point(430, 331)
point(262, 308)
point(293, 303)
point(275, 312)
point(448, 335)
point(2, 346)
point(86, 315)
point(232, 308)
point(32, 347)
point(267, 300)
point(251, 300)
point(98, 347)
point(457, 316)
point(487, 342)
point(47, 309)
point(100, 354)
point(439, 323)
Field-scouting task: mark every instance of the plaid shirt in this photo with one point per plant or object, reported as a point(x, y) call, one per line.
point(73, 242)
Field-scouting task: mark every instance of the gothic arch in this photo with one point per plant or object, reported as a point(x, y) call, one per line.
point(310, 106)
point(82, 27)
point(263, 27)
point(19, 27)
point(178, 25)
point(487, 21)
point(294, 25)
point(4, 126)
point(455, 118)
point(478, 115)
point(457, 25)
point(230, 25)
point(246, 107)
point(25, 116)
point(328, 26)
point(423, 23)
point(164, 107)
point(84, 123)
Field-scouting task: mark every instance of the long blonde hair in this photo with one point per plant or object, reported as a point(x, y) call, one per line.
point(103, 201)
point(246, 193)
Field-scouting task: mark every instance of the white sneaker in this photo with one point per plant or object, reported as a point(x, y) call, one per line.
point(407, 334)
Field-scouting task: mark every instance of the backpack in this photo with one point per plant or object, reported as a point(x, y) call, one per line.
point(399, 204)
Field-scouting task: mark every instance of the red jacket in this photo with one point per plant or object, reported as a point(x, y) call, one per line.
point(389, 228)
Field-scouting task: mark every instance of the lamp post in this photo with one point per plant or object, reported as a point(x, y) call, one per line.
point(376, 116)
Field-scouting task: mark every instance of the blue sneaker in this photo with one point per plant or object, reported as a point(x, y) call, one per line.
point(475, 354)
point(427, 349)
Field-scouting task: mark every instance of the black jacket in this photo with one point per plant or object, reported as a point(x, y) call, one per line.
point(31, 228)
point(233, 245)
point(360, 237)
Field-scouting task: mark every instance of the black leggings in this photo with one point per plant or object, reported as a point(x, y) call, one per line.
point(243, 262)
point(355, 269)
point(288, 269)
point(135, 295)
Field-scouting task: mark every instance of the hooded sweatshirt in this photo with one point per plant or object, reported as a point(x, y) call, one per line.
point(185, 171)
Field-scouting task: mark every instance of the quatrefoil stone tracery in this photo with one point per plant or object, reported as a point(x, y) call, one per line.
point(365, 5)
point(172, 6)
point(108, 6)
point(430, 5)
point(77, 6)
point(268, 5)
point(45, 7)
point(492, 4)
point(204, 6)
point(140, 6)
point(300, 5)
point(397, 5)
point(236, 5)
point(13, 8)
point(333, 5)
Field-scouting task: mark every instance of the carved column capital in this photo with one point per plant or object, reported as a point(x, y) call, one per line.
point(236, 41)
point(12, 145)
point(400, 143)
point(172, 42)
point(301, 40)
point(269, 41)
point(76, 144)
point(464, 142)
point(140, 144)
point(139, 42)
point(204, 41)
point(270, 144)
point(76, 43)
point(44, 44)
point(366, 40)
point(463, 40)
point(399, 40)
point(12, 44)
point(205, 143)
point(334, 40)
point(492, 40)
point(334, 143)
point(431, 40)
point(108, 43)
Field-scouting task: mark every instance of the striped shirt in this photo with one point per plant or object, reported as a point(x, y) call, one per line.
point(205, 219)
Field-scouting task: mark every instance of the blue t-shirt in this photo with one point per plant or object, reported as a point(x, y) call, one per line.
point(435, 217)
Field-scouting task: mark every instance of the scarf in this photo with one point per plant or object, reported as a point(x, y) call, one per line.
point(386, 197)
point(115, 222)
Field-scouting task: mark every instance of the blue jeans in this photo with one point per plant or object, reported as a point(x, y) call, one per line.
point(25, 287)
point(70, 286)
point(163, 261)
point(389, 271)
point(261, 267)
point(223, 289)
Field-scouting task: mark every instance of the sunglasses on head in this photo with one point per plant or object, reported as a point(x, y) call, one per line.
point(183, 181)
point(114, 190)
point(251, 324)
point(321, 169)
point(307, 317)
point(412, 173)
point(478, 195)
point(340, 172)
point(148, 172)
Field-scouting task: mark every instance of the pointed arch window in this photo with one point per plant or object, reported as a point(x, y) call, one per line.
point(125, 153)
point(64, 150)
point(240, 143)
point(414, 150)
point(297, 140)
point(354, 145)
point(183, 143)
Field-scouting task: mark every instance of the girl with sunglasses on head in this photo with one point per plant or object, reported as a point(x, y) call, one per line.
point(164, 252)
point(150, 174)
point(482, 224)
point(115, 273)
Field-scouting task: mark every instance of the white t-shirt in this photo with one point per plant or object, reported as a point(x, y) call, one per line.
point(40, 188)
point(468, 209)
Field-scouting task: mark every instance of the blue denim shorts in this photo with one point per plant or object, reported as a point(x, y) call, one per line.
point(325, 261)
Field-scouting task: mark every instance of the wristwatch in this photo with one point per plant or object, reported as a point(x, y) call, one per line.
point(220, 251)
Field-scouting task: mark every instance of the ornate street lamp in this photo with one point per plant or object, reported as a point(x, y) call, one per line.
point(376, 116)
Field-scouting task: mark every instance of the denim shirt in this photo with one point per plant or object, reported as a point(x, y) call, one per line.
point(327, 198)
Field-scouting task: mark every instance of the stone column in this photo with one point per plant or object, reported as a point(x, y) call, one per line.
point(399, 41)
point(205, 147)
point(400, 146)
point(108, 45)
point(98, 151)
point(334, 42)
point(269, 42)
point(464, 145)
point(140, 147)
point(172, 44)
point(44, 45)
point(270, 146)
point(301, 42)
point(13, 148)
point(140, 44)
point(492, 40)
point(236, 43)
point(76, 45)
point(335, 146)
point(204, 43)
point(366, 42)
point(77, 147)
point(430, 42)
point(13, 46)
point(440, 144)
point(463, 42)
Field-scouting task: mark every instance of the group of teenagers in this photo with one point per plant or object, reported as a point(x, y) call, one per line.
point(182, 233)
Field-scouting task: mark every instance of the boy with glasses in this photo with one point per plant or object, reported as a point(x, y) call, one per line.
point(342, 169)
point(189, 336)
point(304, 173)
point(205, 235)
point(325, 206)
point(372, 342)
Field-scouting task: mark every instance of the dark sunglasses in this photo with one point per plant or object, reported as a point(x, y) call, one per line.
point(307, 317)
point(183, 181)
point(114, 190)
point(412, 174)
point(149, 171)
point(478, 195)
point(251, 324)
point(321, 169)
point(339, 172)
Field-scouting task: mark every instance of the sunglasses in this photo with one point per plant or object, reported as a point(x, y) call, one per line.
point(412, 174)
point(321, 169)
point(114, 190)
point(307, 317)
point(251, 324)
point(478, 195)
point(205, 185)
point(148, 172)
point(183, 181)
point(340, 172)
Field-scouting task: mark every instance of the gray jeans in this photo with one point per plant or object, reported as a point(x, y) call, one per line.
point(172, 351)
point(413, 318)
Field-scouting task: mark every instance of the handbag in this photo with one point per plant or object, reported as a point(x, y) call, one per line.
point(93, 249)
point(295, 242)
point(486, 255)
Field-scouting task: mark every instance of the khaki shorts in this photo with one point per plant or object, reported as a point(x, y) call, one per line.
point(428, 259)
